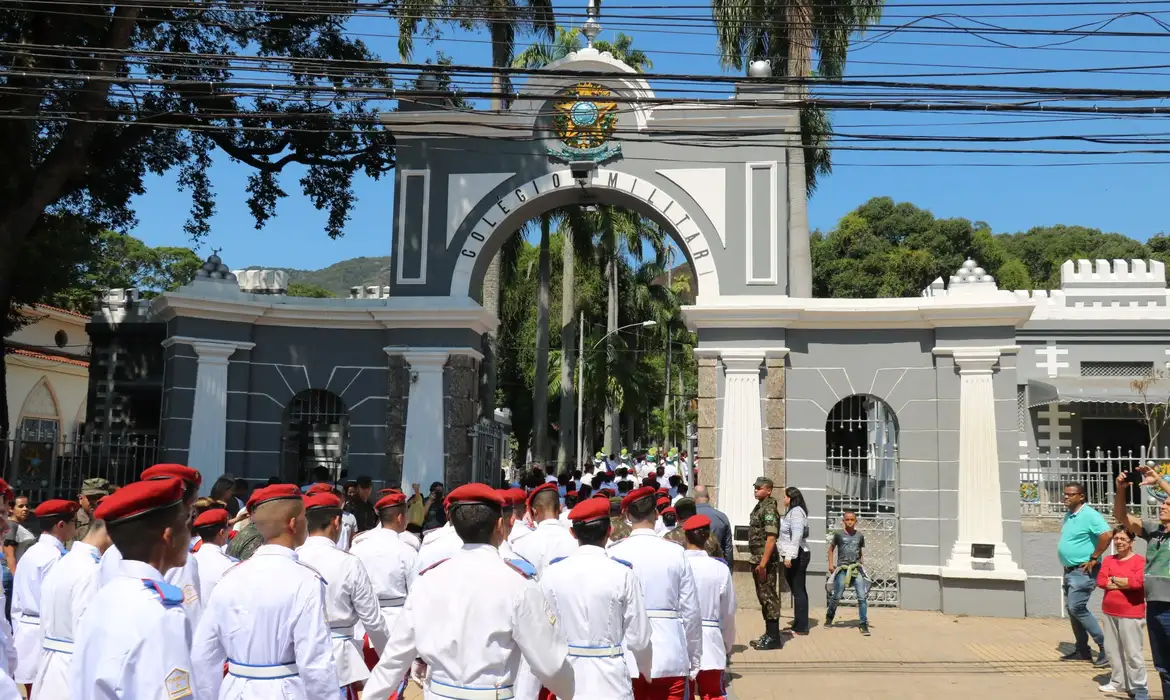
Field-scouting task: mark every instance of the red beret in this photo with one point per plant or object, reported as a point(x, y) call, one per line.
point(601, 494)
point(505, 494)
point(663, 492)
point(387, 492)
point(637, 495)
point(232, 534)
point(322, 500)
point(669, 510)
point(590, 509)
point(662, 500)
point(473, 493)
point(608, 491)
point(319, 488)
point(570, 493)
point(276, 492)
point(5, 489)
point(609, 473)
point(138, 498)
point(178, 471)
point(517, 496)
point(546, 486)
point(56, 506)
point(695, 522)
point(212, 517)
point(390, 499)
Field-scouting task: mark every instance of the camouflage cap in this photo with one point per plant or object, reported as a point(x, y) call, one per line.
point(95, 487)
point(763, 481)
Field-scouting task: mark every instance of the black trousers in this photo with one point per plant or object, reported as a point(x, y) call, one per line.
point(795, 576)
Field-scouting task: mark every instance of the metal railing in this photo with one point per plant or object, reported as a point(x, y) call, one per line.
point(43, 467)
point(487, 447)
point(1043, 478)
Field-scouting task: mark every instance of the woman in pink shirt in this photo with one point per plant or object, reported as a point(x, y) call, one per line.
point(1122, 576)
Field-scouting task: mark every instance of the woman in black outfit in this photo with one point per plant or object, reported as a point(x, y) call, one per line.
point(793, 547)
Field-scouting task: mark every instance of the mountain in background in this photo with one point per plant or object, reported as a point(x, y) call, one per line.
point(340, 277)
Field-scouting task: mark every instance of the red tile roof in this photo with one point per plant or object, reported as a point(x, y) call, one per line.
point(50, 358)
point(60, 310)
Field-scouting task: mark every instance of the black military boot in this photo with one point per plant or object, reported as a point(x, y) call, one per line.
point(771, 639)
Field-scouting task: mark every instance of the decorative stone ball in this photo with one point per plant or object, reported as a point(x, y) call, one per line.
point(231, 277)
point(217, 275)
point(760, 69)
point(969, 264)
point(222, 269)
point(214, 259)
point(980, 271)
point(955, 279)
point(988, 278)
point(972, 278)
point(201, 273)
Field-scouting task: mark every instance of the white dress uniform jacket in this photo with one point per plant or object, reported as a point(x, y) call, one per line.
point(348, 530)
point(471, 620)
point(411, 539)
point(185, 578)
point(716, 597)
point(7, 647)
point(390, 563)
point(437, 545)
point(520, 529)
point(671, 603)
point(550, 539)
point(133, 640)
point(66, 592)
point(26, 604)
point(598, 603)
point(349, 599)
point(212, 564)
point(266, 619)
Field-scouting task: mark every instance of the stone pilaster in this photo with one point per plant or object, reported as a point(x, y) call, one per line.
point(741, 453)
point(397, 394)
point(460, 413)
point(705, 457)
point(774, 418)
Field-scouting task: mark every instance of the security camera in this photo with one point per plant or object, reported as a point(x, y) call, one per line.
point(581, 170)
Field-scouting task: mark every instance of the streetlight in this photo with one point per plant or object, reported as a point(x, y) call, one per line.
point(581, 372)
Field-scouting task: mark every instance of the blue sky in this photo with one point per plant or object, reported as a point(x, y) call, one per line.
point(1010, 192)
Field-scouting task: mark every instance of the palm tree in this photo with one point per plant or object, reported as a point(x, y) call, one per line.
point(786, 32)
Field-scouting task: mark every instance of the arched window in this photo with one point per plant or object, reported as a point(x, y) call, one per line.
point(38, 433)
point(861, 456)
point(315, 434)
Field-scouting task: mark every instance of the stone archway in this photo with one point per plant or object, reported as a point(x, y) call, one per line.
point(529, 199)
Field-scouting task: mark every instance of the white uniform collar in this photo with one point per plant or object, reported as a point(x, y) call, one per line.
point(644, 531)
point(696, 553)
point(275, 549)
point(480, 549)
point(319, 541)
point(138, 569)
point(84, 548)
point(49, 539)
point(549, 522)
point(590, 550)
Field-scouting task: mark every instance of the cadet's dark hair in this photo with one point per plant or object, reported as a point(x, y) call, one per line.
point(669, 519)
point(593, 532)
point(584, 492)
point(474, 522)
point(365, 482)
point(387, 514)
point(318, 519)
point(222, 488)
point(546, 500)
point(698, 537)
point(210, 532)
point(642, 510)
point(625, 486)
point(685, 507)
point(570, 500)
point(135, 538)
point(49, 522)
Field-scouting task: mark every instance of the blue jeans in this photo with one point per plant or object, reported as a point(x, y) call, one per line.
point(1078, 587)
point(1158, 626)
point(839, 590)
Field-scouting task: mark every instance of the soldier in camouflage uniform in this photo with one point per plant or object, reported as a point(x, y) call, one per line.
point(92, 491)
point(620, 528)
point(763, 530)
point(685, 510)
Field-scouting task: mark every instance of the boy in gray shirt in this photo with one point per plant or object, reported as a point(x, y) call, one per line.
point(845, 554)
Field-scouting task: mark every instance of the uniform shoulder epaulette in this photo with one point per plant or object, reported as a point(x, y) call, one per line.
point(622, 561)
point(314, 570)
point(556, 559)
point(423, 571)
point(523, 566)
point(170, 596)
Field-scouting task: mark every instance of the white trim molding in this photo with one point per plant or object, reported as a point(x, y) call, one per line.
point(407, 349)
point(424, 238)
point(749, 211)
point(765, 311)
point(209, 347)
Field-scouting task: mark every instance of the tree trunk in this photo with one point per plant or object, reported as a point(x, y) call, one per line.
point(799, 63)
point(540, 388)
point(612, 439)
point(568, 435)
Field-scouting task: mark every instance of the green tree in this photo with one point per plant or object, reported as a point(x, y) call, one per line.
point(786, 32)
point(300, 289)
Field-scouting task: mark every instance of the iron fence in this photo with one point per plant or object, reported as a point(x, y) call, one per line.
point(1043, 478)
point(487, 445)
point(43, 466)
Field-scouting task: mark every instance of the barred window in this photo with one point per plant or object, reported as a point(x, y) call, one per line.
point(1117, 369)
point(1021, 407)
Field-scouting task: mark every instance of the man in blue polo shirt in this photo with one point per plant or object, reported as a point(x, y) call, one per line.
point(1084, 536)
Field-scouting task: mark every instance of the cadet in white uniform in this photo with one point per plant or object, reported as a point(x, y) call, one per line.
point(266, 616)
point(68, 588)
point(58, 524)
point(474, 617)
point(389, 561)
point(598, 604)
point(348, 521)
point(550, 539)
point(133, 640)
point(437, 545)
point(520, 528)
point(716, 596)
point(211, 534)
point(671, 602)
point(349, 595)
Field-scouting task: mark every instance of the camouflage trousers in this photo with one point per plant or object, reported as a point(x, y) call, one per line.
point(768, 590)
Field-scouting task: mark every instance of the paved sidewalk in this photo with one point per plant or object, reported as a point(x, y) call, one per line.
point(917, 655)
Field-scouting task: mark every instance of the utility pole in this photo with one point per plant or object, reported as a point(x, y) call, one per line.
point(669, 326)
point(580, 390)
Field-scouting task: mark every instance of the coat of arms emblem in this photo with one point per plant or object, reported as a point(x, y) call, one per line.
point(584, 120)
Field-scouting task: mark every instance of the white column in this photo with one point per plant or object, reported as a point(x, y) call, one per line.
point(423, 459)
point(980, 498)
point(741, 446)
point(206, 451)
